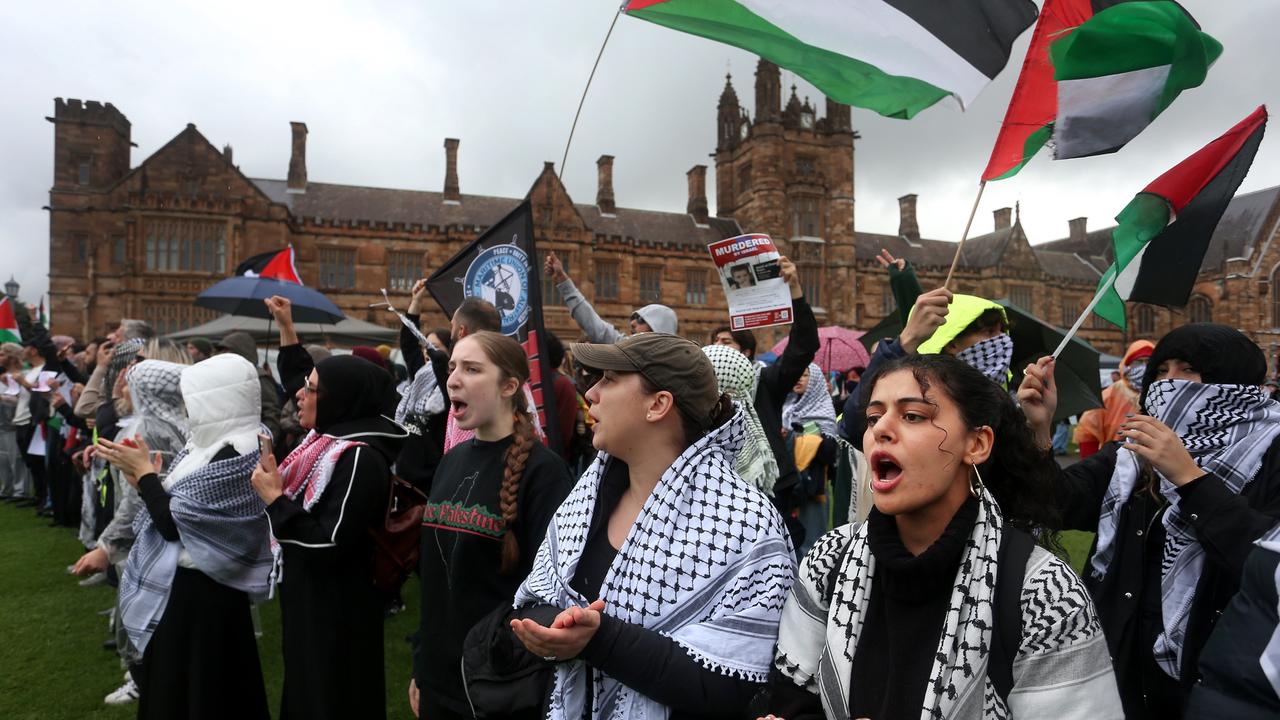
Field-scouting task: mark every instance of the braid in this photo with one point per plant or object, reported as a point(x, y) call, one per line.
point(517, 456)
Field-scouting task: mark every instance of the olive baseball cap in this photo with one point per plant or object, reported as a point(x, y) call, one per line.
point(669, 362)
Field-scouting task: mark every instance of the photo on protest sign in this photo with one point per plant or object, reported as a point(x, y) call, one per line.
point(751, 274)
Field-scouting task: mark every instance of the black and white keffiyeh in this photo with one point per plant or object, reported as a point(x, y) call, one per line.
point(223, 526)
point(159, 412)
point(1227, 429)
point(421, 396)
point(121, 357)
point(707, 563)
point(991, 357)
point(738, 379)
point(1062, 667)
point(1134, 374)
point(958, 685)
point(814, 406)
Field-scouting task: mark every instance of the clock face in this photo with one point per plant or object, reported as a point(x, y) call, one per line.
point(806, 121)
point(744, 130)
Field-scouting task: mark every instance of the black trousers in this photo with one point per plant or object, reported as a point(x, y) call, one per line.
point(37, 464)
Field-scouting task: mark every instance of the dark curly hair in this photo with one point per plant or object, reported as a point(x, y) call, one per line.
point(1019, 474)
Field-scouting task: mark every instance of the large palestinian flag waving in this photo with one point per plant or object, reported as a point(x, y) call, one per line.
point(896, 57)
point(1165, 231)
point(1096, 74)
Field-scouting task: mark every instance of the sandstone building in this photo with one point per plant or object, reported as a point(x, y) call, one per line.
point(142, 241)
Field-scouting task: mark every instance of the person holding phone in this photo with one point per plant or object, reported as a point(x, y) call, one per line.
point(200, 552)
point(321, 503)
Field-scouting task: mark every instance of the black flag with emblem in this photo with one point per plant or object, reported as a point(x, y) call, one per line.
point(500, 267)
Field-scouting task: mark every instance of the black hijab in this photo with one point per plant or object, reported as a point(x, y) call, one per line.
point(352, 388)
point(1221, 354)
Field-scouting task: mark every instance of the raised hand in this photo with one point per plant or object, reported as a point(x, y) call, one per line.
point(417, 296)
point(789, 273)
point(554, 269)
point(886, 258)
point(1038, 396)
point(929, 314)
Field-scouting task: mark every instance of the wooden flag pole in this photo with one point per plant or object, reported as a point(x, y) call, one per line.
point(960, 248)
point(1107, 285)
point(583, 99)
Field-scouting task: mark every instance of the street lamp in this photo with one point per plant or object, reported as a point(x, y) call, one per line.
point(11, 288)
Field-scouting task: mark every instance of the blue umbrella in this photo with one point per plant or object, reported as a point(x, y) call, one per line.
point(242, 295)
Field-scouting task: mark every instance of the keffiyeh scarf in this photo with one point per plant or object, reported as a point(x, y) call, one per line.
point(1227, 429)
point(814, 406)
point(708, 563)
point(991, 357)
point(737, 378)
point(421, 397)
point(224, 530)
point(306, 473)
point(121, 358)
point(1134, 374)
point(816, 646)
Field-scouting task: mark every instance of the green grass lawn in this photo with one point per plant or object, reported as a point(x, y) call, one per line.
point(52, 665)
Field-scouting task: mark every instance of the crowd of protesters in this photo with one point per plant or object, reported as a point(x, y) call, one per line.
point(694, 533)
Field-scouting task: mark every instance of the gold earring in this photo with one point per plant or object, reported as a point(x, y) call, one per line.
point(871, 487)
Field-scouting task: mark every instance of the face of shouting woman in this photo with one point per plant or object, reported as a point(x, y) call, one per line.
point(478, 393)
point(623, 413)
point(920, 448)
point(308, 399)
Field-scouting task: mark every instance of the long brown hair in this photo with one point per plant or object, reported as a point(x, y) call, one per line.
point(510, 358)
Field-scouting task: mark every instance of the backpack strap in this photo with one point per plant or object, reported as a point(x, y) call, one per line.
point(1015, 551)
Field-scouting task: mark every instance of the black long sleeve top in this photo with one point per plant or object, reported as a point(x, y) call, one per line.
point(776, 381)
point(1225, 525)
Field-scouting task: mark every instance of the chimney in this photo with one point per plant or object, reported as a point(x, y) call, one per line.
point(1079, 233)
point(908, 227)
point(451, 193)
point(298, 159)
point(697, 176)
point(1004, 218)
point(226, 154)
point(604, 185)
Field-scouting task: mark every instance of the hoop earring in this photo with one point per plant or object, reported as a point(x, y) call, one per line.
point(871, 487)
point(979, 485)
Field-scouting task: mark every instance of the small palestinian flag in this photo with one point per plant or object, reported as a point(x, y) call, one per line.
point(276, 264)
point(1165, 231)
point(896, 57)
point(8, 322)
point(1121, 69)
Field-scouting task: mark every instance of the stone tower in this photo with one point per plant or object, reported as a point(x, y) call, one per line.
point(789, 173)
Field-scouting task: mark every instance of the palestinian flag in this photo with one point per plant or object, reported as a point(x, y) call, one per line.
point(276, 264)
point(1121, 69)
point(8, 322)
point(1028, 123)
point(896, 57)
point(1165, 231)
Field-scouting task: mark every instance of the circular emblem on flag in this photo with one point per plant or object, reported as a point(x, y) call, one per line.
point(500, 275)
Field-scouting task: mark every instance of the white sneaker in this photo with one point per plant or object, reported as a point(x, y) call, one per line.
point(123, 695)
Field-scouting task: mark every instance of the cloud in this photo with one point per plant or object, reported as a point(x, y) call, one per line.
point(380, 85)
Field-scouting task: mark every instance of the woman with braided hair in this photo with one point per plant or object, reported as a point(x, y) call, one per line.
point(490, 502)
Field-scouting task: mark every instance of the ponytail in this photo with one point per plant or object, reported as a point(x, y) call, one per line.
point(509, 496)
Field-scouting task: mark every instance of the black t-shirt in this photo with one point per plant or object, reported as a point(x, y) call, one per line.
point(461, 553)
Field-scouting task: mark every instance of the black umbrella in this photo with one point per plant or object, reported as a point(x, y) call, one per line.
point(243, 296)
point(1076, 372)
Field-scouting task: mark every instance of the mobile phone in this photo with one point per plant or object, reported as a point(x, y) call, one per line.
point(264, 445)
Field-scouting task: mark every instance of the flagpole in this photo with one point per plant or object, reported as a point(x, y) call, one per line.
point(1111, 281)
point(583, 99)
point(959, 248)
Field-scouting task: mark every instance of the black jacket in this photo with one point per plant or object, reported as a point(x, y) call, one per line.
point(776, 381)
point(1234, 685)
point(1226, 526)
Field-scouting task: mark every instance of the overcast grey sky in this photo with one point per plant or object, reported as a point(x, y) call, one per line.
point(380, 84)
